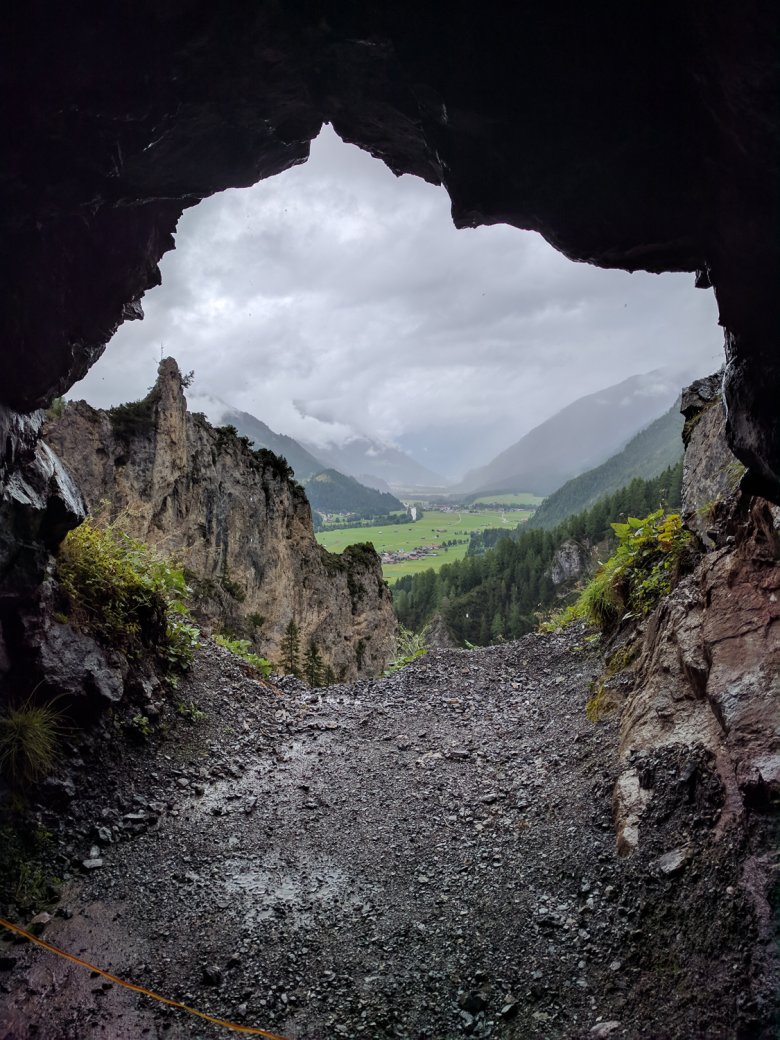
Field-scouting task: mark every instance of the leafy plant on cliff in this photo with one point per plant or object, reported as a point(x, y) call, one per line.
point(126, 595)
point(242, 648)
point(408, 647)
point(190, 712)
point(56, 408)
point(650, 554)
point(27, 879)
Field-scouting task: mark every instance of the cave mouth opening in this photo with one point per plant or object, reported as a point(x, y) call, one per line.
point(339, 303)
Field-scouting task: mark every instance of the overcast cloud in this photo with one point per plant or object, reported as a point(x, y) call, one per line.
point(337, 299)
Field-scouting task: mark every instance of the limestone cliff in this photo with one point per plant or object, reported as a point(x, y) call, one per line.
point(235, 519)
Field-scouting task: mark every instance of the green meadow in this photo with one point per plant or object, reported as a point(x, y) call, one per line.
point(519, 498)
point(435, 527)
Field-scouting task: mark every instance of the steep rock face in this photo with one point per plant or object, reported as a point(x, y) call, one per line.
point(700, 719)
point(39, 504)
point(655, 148)
point(711, 473)
point(234, 518)
point(708, 672)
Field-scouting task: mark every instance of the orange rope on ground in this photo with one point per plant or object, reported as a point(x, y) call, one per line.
point(251, 1030)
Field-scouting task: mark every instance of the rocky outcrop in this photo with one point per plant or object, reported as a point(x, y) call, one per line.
point(711, 473)
point(700, 714)
point(118, 124)
point(707, 669)
point(570, 562)
point(700, 702)
point(437, 636)
point(235, 519)
point(39, 504)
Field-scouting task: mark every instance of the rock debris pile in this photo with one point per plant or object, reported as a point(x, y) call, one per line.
point(426, 856)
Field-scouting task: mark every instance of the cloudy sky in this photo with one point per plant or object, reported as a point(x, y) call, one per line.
point(337, 299)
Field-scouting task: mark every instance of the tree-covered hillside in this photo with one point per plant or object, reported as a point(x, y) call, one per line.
point(332, 492)
point(494, 596)
point(649, 453)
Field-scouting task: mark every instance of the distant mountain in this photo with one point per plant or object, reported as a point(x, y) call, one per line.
point(363, 458)
point(328, 489)
point(653, 450)
point(331, 492)
point(373, 482)
point(304, 464)
point(368, 461)
point(579, 437)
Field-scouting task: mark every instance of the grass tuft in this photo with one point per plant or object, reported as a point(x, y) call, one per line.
point(29, 741)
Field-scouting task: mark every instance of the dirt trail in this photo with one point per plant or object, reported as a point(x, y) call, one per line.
point(425, 856)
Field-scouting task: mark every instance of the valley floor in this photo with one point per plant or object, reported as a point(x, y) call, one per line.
point(426, 856)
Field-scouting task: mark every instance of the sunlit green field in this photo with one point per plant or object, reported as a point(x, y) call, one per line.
point(434, 528)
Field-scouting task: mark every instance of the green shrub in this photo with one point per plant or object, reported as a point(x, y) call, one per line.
point(190, 712)
point(133, 419)
point(408, 647)
point(600, 602)
point(242, 648)
point(29, 741)
point(56, 408)
point(27, 879)
point(649, 557)
point(127, 595)
point(557, 620)
point(140, 728)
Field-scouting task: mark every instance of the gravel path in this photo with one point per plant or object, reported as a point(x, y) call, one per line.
point(427, 856)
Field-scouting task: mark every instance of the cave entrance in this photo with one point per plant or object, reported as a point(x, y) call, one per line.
point(339, 302)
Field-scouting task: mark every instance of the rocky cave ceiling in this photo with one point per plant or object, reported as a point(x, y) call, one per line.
point(638, 136)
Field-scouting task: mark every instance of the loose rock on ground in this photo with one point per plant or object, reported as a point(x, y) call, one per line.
point(427, 856)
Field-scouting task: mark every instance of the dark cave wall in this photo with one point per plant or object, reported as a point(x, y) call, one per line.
point(633, 136)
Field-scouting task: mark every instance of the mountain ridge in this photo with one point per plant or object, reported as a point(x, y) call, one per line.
point(577, 438)
point(372, 463)
point(651, 451)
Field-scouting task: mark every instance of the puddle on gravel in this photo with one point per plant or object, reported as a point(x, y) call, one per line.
point(275, 889)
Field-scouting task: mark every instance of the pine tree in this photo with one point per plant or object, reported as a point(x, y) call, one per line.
point(313, 665)
point(291, 646)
